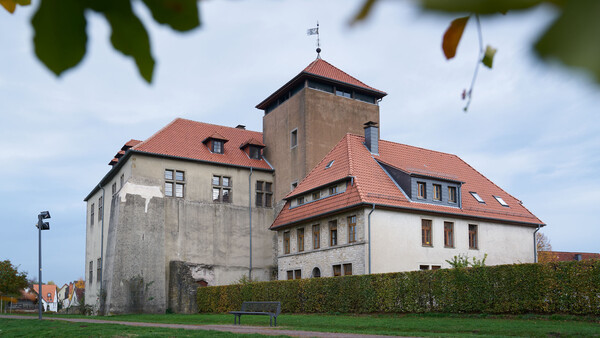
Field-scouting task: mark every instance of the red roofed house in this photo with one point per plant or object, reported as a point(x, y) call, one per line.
point(177, 210)
point(49, 296)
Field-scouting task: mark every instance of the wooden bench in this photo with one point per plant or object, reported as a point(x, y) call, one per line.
point(271, 309)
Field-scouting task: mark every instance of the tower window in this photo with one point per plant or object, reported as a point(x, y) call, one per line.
point(294, 138)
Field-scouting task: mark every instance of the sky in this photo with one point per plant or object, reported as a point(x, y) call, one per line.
point(532, 127)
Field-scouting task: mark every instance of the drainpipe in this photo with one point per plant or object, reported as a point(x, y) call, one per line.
point(535, 258)
point(102, 239)
point(370, 237)
point(250, 219)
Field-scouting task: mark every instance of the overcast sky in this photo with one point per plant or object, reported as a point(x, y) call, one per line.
point(532, 128)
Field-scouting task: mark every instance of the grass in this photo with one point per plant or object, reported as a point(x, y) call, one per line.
point(409, 325)
point(55, 328)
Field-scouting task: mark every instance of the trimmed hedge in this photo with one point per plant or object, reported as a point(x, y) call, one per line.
point(565, 287)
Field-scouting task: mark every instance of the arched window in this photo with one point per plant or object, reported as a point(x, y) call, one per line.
point(316, 273)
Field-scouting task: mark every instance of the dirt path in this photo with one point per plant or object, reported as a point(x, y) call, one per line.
point(225, 328)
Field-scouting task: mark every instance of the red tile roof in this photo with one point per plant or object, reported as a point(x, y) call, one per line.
point(561, 256)
point(46, 289)
point(322, 68)
point(372, 185)
point(183, 138)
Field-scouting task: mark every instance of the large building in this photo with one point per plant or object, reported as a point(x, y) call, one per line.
point(315, 194)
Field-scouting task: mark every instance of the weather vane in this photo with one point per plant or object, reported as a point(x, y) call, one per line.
point(315, 31)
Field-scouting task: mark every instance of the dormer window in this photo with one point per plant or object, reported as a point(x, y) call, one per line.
point(253, 148)
point(254, 152)
point(217, 146)
point(452, 194)
point(421, 190)
point(477, 197)
point(501, 201)
point(216, 143)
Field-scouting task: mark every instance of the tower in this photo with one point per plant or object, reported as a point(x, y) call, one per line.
point(308, 115)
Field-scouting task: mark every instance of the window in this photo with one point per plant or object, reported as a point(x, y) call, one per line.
point(426, 232)
point(92, 214)
point(476, 196)
point(300, 200)
point(294, 185)
point(423, 267)
point(100, 209)
point(91, 276)
point(254, 152)
point(347, 269)
point(294, 138)
point(449, 234)
point(221, 190)
point(316, 233)
point(114, 188)
point(174, 182)
point(316, 273)
point(122, 180)
point(316, 195)
point(286, 242)
point(501, 201)
point(329, 164)
point(333, 240)
point(99, 270)
point(472, 236)
point(297, 274)
point(264, 194)
point(421, 191)
point(437, 192)
point(337, 270)
point(452, 194)
point(343, 93)
point(351, 229)
point(320, 86)
point(300, 235)
point(364, 98)
point(333, 190)
point(436, 267)
point(217, 146)
point(290, 274)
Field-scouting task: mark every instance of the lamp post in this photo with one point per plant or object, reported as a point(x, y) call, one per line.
point(41, 225)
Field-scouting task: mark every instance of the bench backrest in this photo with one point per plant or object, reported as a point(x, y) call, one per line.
point(271, 307)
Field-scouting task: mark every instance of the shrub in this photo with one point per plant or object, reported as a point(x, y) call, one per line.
point(565, 287)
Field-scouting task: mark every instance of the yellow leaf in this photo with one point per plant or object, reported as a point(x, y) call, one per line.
point(364, 11)
point(453, 35)
point(9, 5)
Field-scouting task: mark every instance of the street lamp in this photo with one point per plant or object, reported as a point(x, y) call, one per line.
point(41, 225)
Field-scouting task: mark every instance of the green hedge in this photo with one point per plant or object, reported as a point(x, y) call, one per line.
point(565, 287)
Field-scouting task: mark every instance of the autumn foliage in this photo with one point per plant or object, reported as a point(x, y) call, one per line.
point(564, 287)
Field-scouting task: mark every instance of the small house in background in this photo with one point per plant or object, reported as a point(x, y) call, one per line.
point(63, 294)
point(562, 256)
point(49, 296)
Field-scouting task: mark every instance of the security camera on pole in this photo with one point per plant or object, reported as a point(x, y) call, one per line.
point(41, 225)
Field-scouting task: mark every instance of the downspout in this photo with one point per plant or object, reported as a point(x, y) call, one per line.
point(250, 219)
point(370, 237)
point(102, 239)
point(535, 258)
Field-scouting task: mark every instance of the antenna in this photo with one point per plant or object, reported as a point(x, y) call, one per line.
point(315, 31)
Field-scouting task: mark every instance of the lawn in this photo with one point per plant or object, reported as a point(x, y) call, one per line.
point(55, 328)
point(408, 325)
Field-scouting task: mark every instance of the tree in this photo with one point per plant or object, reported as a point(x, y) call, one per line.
point(11, 280)
point(544, 248)
point(60, 29)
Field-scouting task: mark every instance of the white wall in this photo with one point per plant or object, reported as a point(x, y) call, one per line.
point(396, 240)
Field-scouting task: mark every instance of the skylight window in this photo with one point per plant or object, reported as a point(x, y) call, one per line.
point(501, 201)
point(477, 197)
point(329, 164)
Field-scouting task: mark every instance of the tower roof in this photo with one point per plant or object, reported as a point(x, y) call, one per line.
point(322, 70)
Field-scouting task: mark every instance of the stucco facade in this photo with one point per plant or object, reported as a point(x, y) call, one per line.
point(144, 231)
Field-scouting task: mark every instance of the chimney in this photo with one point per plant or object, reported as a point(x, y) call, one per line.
point(241, 126)
point(372, 137)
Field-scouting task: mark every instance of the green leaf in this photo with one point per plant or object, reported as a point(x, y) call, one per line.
point(128, 34)
point(453, 35)
point(478, 6)
point(574, 37)
point(181, 15)
point(364, 11)
point(60, 38)
point(488, 57)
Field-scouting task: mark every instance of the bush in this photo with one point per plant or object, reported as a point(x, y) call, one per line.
point(564, 287)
